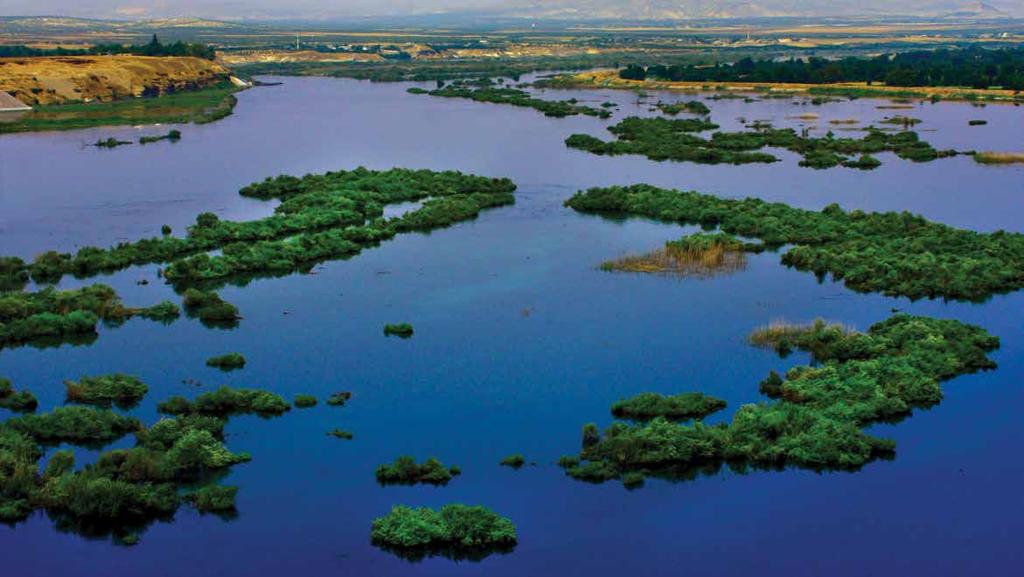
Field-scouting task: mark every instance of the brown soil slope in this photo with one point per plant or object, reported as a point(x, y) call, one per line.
point(59, 80)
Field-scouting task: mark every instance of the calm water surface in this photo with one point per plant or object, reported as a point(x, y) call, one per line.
point(519, 342)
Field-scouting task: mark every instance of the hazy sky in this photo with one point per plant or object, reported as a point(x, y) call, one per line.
point(340, 9)
point(230, 8)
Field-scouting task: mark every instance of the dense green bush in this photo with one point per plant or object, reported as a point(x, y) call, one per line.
point(457, 531)
point(210, 309)
point(122, 390)
point(681, 407)
point(125, 489)
point(213, 499)
point(898, 254)
point(17, 401)
point(228, 362)
point(226, 402)
point(406, 471)
point(74, 425)
point(818, 418)
point(51, 316)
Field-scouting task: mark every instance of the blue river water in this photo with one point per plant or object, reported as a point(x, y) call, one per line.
point(520, 340)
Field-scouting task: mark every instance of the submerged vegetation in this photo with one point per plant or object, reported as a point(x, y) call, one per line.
point(305, 401)
point(681, 407)
point(456, 531)
point(818, 414)
point(668, 139)
point(898, 254)
point(228, 362)
point(701, 255)
point(122, 390)
point(515, 97)
point(406, 471)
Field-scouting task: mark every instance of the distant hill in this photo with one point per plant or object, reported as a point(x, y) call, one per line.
point(728, 9)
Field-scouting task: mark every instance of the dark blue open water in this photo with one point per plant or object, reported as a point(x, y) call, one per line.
point(481, 379)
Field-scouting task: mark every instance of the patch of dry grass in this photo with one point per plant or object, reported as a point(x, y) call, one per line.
point(999, 157)
point(701, 262)
point(780, 331)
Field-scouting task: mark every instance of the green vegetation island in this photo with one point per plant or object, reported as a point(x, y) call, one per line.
point(817, 415)
point(515, 97)
point(320, 217)
point(125, 391)
point(675, 139)
point(898, 254)
point(49, 317)
point(406, 471)
point(455, 531)
point(176, 460)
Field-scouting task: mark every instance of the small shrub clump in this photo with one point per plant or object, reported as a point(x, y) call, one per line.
point(228, 362)
point(515, 461)
point(213, 499)
point(405, 471)
point(305, 401)
point(403, 330)
point(339, 399)
point(226, 402)
point(457, 531)
point(119, 389)
point(16, 401)
point(681, 407)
